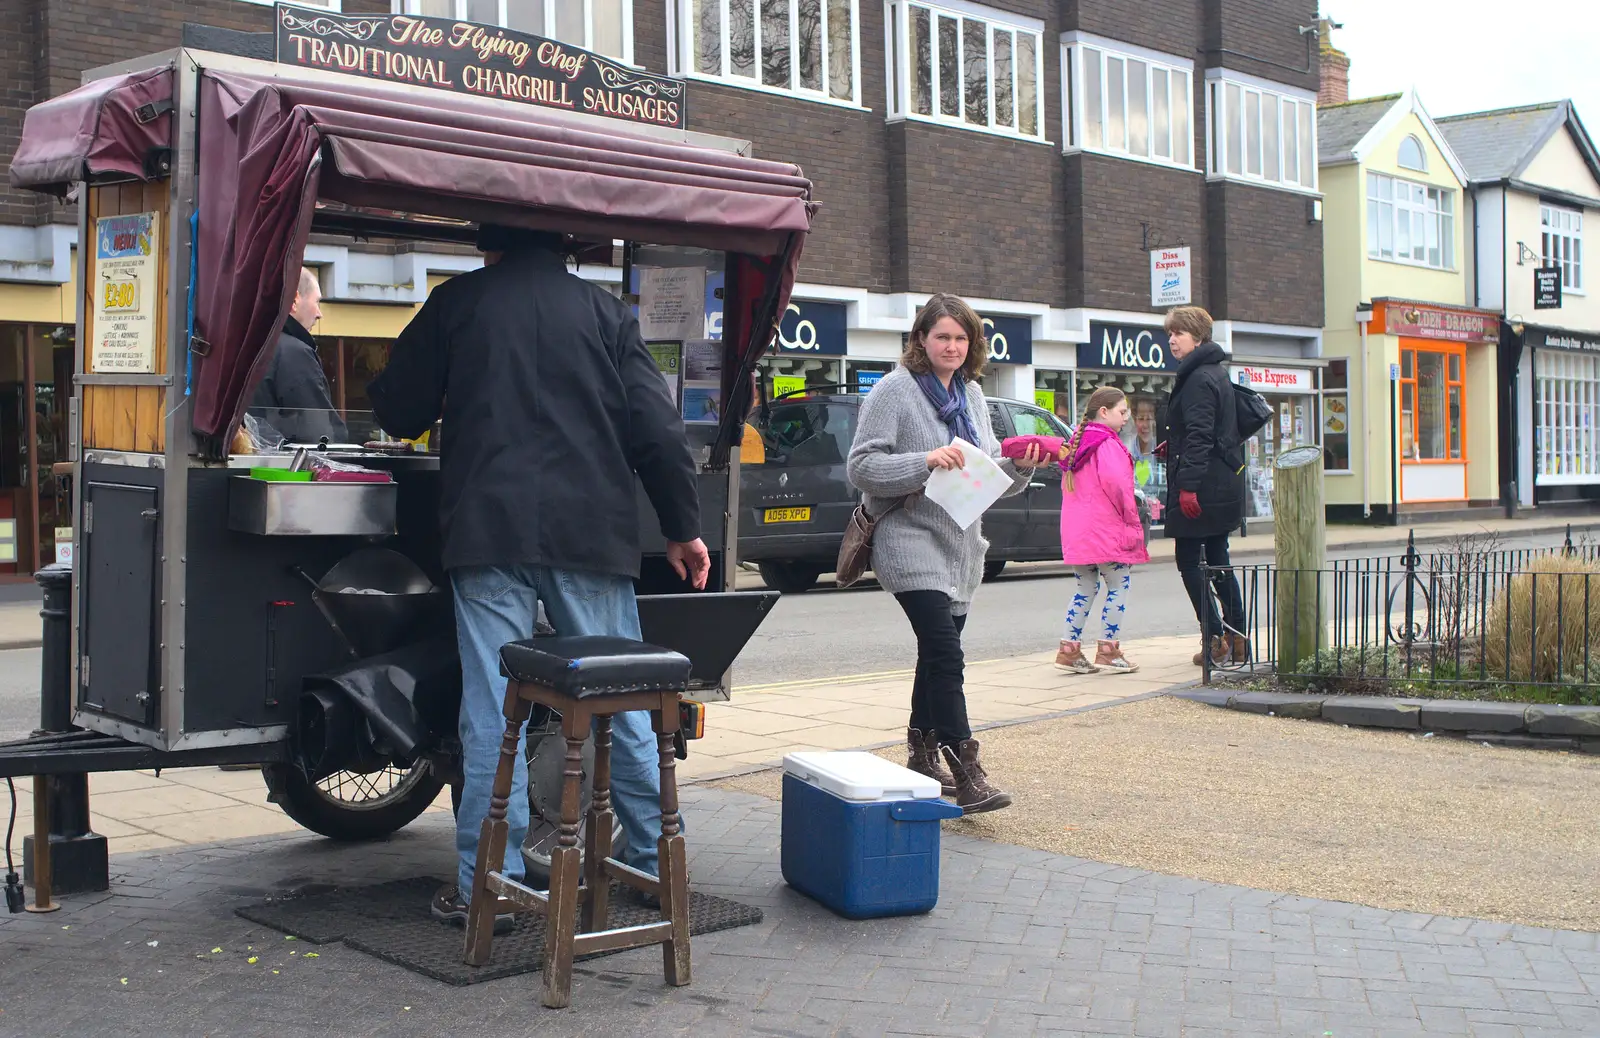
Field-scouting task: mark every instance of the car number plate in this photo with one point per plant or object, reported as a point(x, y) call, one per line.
point(787, 515)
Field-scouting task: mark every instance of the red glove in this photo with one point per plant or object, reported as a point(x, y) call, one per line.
point(1189, 503)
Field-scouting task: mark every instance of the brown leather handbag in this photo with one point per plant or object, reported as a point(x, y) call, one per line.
point(855, 551)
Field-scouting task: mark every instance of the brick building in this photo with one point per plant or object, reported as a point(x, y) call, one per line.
point(1031, 155)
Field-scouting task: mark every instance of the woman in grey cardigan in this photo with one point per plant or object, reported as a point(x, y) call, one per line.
point(919, 554)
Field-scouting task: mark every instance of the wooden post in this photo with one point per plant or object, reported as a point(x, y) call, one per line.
point(1302, 554)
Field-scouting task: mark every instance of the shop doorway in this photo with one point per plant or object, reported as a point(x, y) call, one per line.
point(35, 385)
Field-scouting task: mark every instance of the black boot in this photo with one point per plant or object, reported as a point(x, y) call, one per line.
point(974, 794)
point(922, 757)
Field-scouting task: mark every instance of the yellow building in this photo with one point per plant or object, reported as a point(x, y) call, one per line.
point(1415, 430)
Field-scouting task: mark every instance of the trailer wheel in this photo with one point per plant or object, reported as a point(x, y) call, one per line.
point(352, 806)
point(790, 578)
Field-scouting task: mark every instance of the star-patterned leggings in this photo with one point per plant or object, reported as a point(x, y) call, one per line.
point(1118, 577)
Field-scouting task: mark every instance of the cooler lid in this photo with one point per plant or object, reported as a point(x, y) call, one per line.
point(859, 776)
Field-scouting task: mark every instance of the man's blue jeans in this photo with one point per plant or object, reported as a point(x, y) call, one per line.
point(498, 604)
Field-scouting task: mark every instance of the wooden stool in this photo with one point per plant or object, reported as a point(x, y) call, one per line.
point(587, 680)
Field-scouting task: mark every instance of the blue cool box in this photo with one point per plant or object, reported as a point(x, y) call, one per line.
point(867, 845)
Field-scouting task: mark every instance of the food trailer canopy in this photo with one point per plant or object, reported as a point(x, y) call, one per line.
point(271, 144)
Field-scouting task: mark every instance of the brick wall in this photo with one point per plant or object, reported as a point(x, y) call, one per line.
point(1170, 26)
point(1109, 268)
point(1270, 254)
point(1260, 37)
point(16, 93)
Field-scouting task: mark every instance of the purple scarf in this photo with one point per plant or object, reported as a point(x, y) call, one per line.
point(951, 404)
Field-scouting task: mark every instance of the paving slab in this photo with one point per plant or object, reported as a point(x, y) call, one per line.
point(1022, 942)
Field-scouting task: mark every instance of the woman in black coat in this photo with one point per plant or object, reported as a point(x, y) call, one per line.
point(1205, 480)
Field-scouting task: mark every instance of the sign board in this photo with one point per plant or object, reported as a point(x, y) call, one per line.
point(1394, 373)
point(1010, 339)
point(865, 380)
point(1559, 339)
point(1170, 277)
point(1547, 288)
point(1430, 322)
point(482, 60)
point(1122, 347)
point(1275, 380)
point(782, 384)
point(813, 329)
point(64, 545)
point(126, 254)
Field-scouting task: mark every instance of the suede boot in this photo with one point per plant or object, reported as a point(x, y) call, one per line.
point(974, 794)
point(922, 757)
point(1219, 651)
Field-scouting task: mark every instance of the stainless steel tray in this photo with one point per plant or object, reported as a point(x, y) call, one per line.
point(279, 509)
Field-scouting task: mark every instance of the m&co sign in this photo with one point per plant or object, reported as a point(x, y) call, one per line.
point(486, 60)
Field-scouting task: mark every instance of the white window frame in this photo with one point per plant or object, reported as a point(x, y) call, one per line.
point(1422, 154)
point(1218, 83)
point(461, 7)
point(1075, 95)
point(1570, 236)
point(1432, 209)
point(1566, 396)
point(897, 19)
point(682, 63)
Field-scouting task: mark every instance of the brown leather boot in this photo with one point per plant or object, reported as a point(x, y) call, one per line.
point(1219, 651)
point(974, 794)
point(1071, 659)
point(1239, 648)
point(922, 757)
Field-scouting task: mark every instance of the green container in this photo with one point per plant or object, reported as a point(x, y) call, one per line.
point(280, 475)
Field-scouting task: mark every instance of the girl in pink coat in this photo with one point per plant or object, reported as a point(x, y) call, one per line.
point(1101, 538)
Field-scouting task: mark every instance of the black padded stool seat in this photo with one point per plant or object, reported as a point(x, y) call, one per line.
point(585, 666)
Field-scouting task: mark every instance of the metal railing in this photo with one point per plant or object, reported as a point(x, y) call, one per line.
point(1475, 615)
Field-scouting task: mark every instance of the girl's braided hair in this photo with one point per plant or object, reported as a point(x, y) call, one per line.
point(1105, 396)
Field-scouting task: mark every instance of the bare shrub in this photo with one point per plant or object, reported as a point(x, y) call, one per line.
point(1545, 627)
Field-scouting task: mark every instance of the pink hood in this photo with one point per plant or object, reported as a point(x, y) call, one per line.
point(1099, 516)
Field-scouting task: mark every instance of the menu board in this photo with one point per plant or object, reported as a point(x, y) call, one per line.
point(672, 303)
point(127, 249)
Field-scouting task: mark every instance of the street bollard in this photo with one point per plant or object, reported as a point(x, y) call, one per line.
point(74, 858)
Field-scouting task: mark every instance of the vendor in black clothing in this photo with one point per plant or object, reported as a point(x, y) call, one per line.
point(293, 397)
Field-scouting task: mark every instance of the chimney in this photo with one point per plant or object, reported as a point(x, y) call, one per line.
point(1335, 67)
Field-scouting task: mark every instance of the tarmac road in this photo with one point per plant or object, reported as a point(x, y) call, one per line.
point(827, 632)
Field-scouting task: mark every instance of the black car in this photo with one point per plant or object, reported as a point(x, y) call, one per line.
point(795, 504)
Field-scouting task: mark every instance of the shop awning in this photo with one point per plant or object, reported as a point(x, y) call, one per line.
point(107, 130)
point(271, 146)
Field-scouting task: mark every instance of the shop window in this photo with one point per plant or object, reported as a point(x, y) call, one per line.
point(798, 374)
point(1432, 405)
point(1147, 406)
point(1336, 416)
point(803, 47)
point(1566, 411)
point(1261, 132)
point(603, 26)
point(1410, 223)
point(976, 68)
point(1126, 104)
point(1561, 234)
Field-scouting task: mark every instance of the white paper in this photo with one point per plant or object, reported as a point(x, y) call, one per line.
point(967, 493)
point(702, 360)
point(672, 302)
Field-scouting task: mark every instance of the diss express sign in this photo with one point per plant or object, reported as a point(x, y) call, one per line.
point(485, 60)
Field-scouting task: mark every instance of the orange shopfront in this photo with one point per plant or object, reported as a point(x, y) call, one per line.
point(1443, 377)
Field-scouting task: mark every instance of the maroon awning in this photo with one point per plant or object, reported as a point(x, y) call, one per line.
point(101, 131)
point(271, 146)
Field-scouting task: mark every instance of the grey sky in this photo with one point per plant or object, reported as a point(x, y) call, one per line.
point(1470, 55)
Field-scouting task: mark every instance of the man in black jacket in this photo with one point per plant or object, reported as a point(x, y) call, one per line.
point(1205, 480)
point(293, 397)
point(552, 409)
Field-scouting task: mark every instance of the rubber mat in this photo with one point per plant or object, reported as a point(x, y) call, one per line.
point(390, 921)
